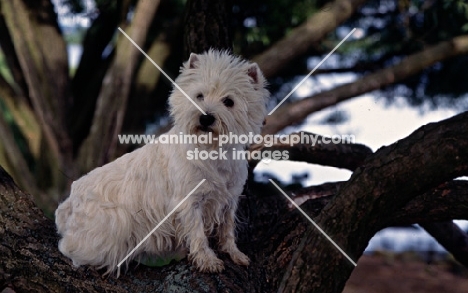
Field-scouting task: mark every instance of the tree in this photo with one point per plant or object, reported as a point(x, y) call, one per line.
point(287, 253)
point(57, 126)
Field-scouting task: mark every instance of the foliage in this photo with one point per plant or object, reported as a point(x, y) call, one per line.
point(392, 30)
point(258, 24)
point(395, 29)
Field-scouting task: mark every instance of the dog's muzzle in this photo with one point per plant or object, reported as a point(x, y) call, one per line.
point(206, 121)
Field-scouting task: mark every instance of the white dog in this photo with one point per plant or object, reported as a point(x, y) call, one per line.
point(112, 208)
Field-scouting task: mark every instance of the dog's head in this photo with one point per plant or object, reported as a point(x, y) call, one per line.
point(229, 90)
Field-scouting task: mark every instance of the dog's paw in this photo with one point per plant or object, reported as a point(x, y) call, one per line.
point(210, 265)
point(236, 255)
point(239, 258)
point(207, 263)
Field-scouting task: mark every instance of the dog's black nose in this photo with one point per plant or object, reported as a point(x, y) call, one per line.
point(207, 120)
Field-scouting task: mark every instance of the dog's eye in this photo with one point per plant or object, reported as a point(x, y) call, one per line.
point(228, 102)
point(200, 97)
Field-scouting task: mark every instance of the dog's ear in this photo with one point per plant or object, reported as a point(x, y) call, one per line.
point(193, 61)
point(254, 72)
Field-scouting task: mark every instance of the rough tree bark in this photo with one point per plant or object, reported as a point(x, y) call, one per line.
point(207, 26)
point(399, 184)
point(431, 155)
point(351, 156)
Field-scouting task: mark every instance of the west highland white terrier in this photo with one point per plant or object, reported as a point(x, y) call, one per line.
point(112, 208)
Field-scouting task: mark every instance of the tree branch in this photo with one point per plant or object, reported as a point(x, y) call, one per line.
point(87, 81)
point(448, 234)
point(297, 111)
point(426, 210)
point(341, 155)
point(45, 68)
point(15, 159)
point(23, 115)
point(31, 262)
point(299, 40)
point(8, 50)
point(140, 110)
point(451, 237)
point(384, 184)
point(430, 207)
point(100, 145)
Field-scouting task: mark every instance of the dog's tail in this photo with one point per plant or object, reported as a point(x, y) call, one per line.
point(62, 214)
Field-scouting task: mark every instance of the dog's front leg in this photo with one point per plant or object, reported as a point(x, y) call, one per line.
point(227, 237)
point(200, 254)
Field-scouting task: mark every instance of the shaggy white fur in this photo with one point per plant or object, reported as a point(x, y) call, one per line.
point(112, 208)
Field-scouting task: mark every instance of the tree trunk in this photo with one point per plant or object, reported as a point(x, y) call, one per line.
point(101, 144)
point(91, 70)
point(207, 25)
point(44, 65)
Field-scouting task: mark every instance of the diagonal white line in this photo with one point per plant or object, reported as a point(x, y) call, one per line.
point(162, 71)
point(312, 221)
point(313, 70)
point(160, 223)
